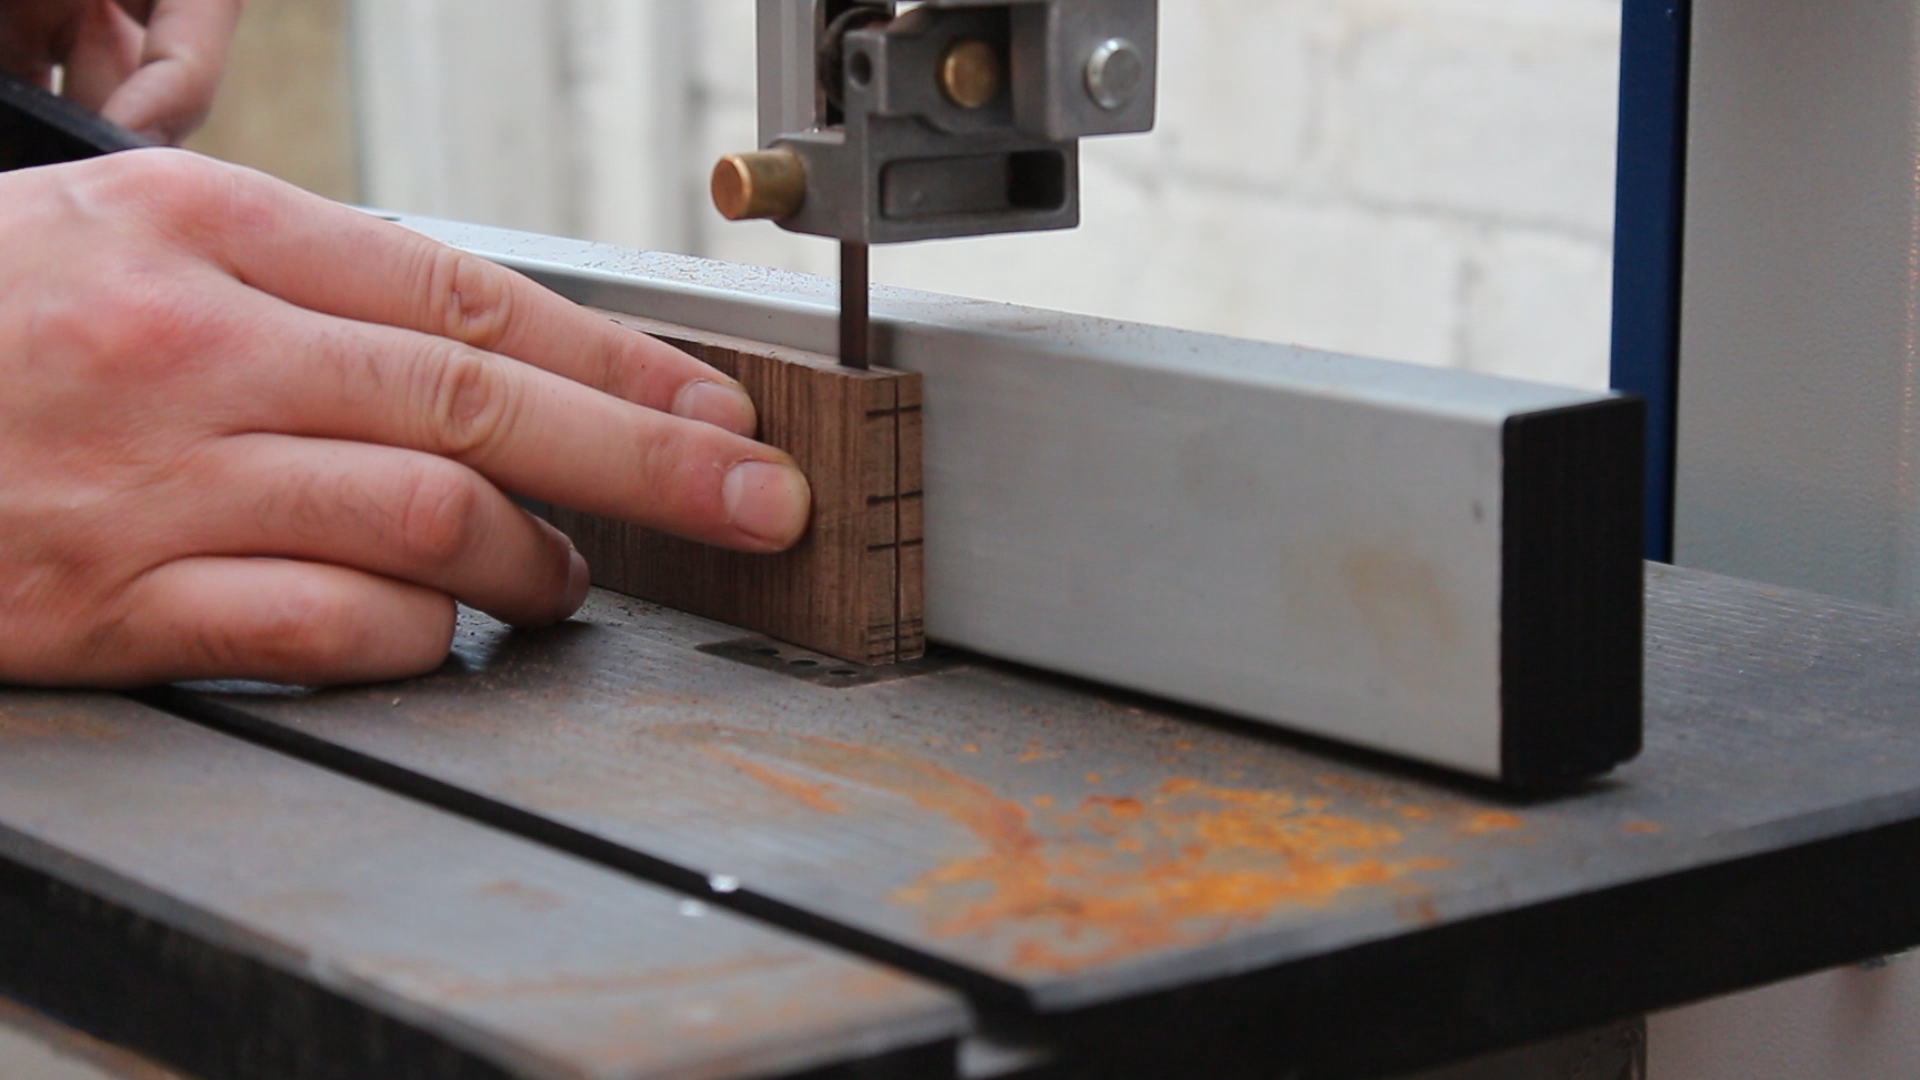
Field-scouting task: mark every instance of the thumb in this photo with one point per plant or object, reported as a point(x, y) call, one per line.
point(185, 53)
point(106, 50)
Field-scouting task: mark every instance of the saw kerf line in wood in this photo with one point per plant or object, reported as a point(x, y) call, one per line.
point(853, 587)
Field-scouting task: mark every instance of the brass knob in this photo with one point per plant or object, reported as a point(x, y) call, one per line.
point(768, 184)
point(970, 74)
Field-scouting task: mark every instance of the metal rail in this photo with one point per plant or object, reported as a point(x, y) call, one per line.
point(1369, 551)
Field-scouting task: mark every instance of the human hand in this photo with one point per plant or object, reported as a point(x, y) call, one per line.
point(250, 433)
point(149, 65)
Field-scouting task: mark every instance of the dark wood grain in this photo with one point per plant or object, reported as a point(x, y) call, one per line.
point(853, 587)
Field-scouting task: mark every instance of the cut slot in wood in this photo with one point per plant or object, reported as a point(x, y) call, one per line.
point(853, 587)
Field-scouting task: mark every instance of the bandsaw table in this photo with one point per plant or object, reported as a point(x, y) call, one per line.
point(610, 849)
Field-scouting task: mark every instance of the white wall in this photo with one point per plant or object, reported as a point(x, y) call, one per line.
point(572, 117)
point(1428, 180)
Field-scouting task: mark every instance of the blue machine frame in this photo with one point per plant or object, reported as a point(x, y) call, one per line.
point(1649, 214)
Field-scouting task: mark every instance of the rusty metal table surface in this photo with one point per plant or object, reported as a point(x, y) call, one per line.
point(1151, 880)
point(237, 912)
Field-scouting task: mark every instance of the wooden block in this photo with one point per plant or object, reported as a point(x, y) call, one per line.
point(853, 587)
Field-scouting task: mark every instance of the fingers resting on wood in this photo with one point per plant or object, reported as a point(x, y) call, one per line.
point(258, 434)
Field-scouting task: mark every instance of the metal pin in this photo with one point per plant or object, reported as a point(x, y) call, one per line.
point(855, 333)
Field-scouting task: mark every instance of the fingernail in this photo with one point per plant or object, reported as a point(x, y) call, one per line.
point(713, 403)
point(767, 501)
point(579, 580)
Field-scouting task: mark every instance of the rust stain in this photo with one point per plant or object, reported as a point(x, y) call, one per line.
point(1095, 778)
point(815, 796)
point(16, 725)
point(970, 748)
point(1184, 865)
point(1491, 821)
point(1416, 813)
point(530, 898)
point(1645, 828)
point(1113, 876)
point(1421, 911)
point(1123, 809)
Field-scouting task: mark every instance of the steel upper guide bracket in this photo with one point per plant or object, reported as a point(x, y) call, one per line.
point(890, 122)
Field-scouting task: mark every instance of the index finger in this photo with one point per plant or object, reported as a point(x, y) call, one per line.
point(338, 261)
